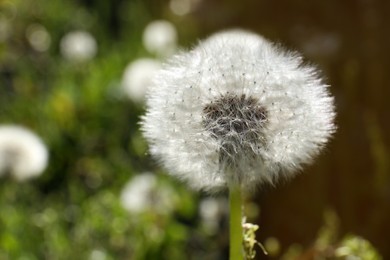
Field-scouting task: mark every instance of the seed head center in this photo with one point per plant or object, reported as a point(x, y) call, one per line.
point(236, 118)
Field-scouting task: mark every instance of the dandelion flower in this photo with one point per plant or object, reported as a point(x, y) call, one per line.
point(5, 29)
point(144, 193)
point(211, 211)
point(237, 110)
point(97, 254)
point(136, 78)
point(38, 37)
point(160, 37)
point(78, 46)
point(22, 153)
point(181, 7)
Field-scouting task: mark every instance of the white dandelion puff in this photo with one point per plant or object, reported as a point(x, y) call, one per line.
point(136, 78)
point(211, 211)
point(144, 193)
point(78, 46)
point(5, 29)
point(237, 110)
point(160, 38)
point(38, 37)
point(97, 254)
point(180, 7)
point(22, 153)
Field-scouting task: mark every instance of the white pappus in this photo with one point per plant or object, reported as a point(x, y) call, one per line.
point(22, 153)
point(237, 109)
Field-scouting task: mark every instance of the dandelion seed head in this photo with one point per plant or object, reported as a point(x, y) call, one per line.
point(136, 78)
point(160, 37)
point(5, 29)
point(38, 37)
point(22, 153)
point(181, 7)
point(78, 46)
point(211, 211)
point(144, 193)
point(237, 109)
point(97, 254)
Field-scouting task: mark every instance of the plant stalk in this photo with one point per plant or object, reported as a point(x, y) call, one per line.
point(236, 233)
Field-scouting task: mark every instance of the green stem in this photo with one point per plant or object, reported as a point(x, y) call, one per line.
point(236, 234)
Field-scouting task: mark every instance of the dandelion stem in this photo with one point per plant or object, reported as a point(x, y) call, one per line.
point(236, 236)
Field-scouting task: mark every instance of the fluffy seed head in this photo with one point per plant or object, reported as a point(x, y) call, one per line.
point(144, 193)
point(136, 78)
point(78, 46)
point(22, 153)
point(160, 38)
point(237, 109)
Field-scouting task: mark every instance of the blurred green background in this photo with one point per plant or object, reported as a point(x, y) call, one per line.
point(77, 103)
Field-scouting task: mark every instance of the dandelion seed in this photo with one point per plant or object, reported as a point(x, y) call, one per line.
point(22, 153)
point(239, 132)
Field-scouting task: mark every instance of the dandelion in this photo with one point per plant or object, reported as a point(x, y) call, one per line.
point(143, 193)
point(97, 254)
point(237, 109)
point(38, 37)
point(22, 154)
point(237, 112)
point(211, 211)
point(160, 37)
point(180, 7)
point(78, 46)
point(5, 29)
point(136, 78)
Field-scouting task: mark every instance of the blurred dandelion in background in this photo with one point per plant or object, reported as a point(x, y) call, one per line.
point(180, 7)
point(183, 7)
point(160, 38)
point(97, 254)
point(211, 211)
point(38, 37)
point(78, 46)
point(22, 153)
point(137, 76)
point(144, 193)
point(5, 29)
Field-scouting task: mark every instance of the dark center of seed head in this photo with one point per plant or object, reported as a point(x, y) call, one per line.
point(235, 118)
